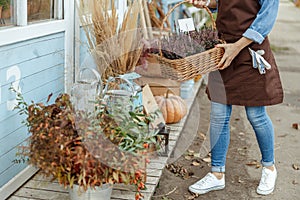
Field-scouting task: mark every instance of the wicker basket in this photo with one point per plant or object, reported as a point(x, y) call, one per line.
point(191, 66)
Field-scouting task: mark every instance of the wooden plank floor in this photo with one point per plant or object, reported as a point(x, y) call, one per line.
point(40, 188)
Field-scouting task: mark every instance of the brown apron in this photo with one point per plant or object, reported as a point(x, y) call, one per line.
point(240, 83)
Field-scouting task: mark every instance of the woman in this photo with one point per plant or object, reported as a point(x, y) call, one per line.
point(243, 24)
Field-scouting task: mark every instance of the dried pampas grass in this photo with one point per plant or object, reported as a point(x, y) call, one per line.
point(115, 45)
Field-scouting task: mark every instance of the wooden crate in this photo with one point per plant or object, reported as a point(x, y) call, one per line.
point(149, 67)
point(159, 86)
point(158, 91)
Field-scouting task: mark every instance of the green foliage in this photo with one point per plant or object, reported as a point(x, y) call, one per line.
point(109, 145)
point(4, 3)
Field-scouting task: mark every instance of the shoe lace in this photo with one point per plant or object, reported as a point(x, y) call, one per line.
point(207, 179)
point(264, 178)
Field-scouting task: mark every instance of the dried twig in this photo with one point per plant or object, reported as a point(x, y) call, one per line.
point(167, 194)
point(155, 8)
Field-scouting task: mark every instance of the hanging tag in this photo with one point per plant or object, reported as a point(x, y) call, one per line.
point(130, 76)
point(151, 106)
point(186, 25)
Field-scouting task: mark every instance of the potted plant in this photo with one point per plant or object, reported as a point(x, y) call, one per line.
point(4, 4)
point(87, 149)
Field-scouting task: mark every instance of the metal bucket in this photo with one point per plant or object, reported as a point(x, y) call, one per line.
point(99, 193)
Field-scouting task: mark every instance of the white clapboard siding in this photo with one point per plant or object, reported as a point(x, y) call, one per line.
point(37, 67)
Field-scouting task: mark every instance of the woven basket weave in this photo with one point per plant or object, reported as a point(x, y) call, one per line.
point(190, 66)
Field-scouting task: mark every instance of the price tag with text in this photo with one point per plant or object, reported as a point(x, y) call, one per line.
point(186, 25)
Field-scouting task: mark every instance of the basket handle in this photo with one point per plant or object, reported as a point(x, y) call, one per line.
point(171, 10)
point(180, 3)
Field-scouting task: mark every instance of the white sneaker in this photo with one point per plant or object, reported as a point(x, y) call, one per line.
point(267, 181)
point(207, 184)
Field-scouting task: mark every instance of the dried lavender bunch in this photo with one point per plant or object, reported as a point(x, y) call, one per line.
point(207, 36)
point(183, 44)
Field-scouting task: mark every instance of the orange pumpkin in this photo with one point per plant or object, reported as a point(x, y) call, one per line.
point(173, 107)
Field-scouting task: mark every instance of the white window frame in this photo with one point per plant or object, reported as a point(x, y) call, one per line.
point(23, 31)
point(70, 25)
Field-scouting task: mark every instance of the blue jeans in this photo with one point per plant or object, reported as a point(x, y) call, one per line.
point(220, 134)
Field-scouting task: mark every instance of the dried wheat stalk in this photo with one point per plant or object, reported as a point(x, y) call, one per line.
point(115, 45)
point(153, 7)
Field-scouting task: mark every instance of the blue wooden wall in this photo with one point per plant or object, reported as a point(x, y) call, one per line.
point(36, 67)
point(85, 58)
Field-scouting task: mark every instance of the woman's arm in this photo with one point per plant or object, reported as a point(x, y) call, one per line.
point(264, 21)
point(258, 30)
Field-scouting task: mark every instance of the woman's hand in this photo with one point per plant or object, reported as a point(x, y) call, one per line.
point(231, 51)
point(203, 3)
point(199, 3)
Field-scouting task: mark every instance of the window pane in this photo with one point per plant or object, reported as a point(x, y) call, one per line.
point(39, 10)
point(6, 12)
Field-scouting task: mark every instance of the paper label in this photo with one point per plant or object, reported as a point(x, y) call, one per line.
point(186, 25)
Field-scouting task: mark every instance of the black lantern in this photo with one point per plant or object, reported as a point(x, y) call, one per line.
point(163, 137)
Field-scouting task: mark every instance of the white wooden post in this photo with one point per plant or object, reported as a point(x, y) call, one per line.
point(148, 21)
point(58, 9)
point(69, 44)
point(77, 32)
point(21, 10)
point(122, 6)
point(143, 20)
